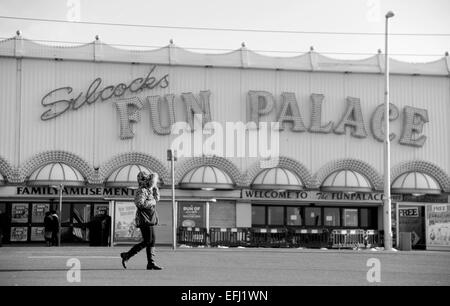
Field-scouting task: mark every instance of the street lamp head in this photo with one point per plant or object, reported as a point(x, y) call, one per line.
point(390, 14)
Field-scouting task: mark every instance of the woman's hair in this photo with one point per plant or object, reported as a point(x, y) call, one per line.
point(151, 178)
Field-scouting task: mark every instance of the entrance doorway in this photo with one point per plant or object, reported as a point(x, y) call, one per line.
point(25, 221)
point(412, 220)
point(81, 222)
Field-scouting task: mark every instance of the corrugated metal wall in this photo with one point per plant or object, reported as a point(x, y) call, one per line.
point(92, 132)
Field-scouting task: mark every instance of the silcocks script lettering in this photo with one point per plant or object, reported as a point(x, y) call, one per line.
point(94, 93)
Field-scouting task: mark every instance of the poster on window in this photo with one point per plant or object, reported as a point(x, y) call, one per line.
point(125, 229)
point(38, 211)
point(37, 234)
point(101, 209)
point(19, 213)
point(19, 233)
point(438, 227)
point(191, 214)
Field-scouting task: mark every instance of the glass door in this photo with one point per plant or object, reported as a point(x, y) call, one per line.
point(412, 220)
point(81, 216)
point(82, 222)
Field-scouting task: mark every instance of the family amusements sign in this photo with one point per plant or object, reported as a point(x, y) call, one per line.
point(259, 103)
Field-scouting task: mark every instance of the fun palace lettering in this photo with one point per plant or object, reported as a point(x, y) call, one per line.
point(283, 110)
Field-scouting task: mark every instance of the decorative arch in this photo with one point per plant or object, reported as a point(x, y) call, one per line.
point(283, 162)
point(425, 167)
point(7, 171)
point(48, 157)
point(134, 158)
point(357, 165)
point(216, 161)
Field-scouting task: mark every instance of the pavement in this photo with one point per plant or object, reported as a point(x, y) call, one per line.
point(38, 266)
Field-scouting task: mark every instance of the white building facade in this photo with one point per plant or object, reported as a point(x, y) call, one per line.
point(91, 117)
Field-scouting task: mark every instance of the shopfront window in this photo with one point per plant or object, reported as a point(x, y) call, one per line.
point(313, 216)
point(350, 217)
point(367, 218)
point(81, 213)
point(81, 218)
point(258, 215)
point(275, 215)
point(19, 213)
point(294, 216)
point(332, 216)
point(38, 211)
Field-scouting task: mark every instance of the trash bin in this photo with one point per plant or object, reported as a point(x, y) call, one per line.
point(405, 241)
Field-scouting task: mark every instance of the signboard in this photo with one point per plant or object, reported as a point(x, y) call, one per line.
point(125, 229)
point(78, 191)
point(316, 196)
point(37, 234)
point(38, 211)
point(438, 226)
point(19, 213)
point(426, 198)
point(191, 214)
point(408, 212)
point(68, 99)
point(19, 233)
point(101, 209)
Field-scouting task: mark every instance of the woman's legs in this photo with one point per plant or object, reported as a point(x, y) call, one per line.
point(151, 252)
point(146, 236)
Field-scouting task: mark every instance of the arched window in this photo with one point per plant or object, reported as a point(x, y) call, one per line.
point(56, 173)
point(207, 178)
point(415, 183)
point(277, 178)
point(346, 181)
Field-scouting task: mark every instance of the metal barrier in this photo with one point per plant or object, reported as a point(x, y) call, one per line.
point(232, 237)
point(372, 239)
point(192, 236)
point(280, 237)
point(268, 237)
point(347, 238)
point(309, 238)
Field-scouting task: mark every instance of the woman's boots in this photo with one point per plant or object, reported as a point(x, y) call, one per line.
point(150, 257)
point(124, 257)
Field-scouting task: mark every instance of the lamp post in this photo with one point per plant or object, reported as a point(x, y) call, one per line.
point(171, 156)
point(60, 190)
point(387, 220)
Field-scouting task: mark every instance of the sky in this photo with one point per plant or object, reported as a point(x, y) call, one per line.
point(411, 16)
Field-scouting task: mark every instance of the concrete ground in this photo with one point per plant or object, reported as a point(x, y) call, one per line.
point(219, 266)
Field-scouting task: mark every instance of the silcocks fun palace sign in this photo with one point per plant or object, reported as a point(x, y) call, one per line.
point(129, 101)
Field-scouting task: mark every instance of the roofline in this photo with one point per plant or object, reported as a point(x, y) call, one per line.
point(172, 55)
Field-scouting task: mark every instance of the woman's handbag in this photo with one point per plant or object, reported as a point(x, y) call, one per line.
point(148, 216)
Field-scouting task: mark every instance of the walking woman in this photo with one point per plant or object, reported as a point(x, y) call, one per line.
point(146, 218)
